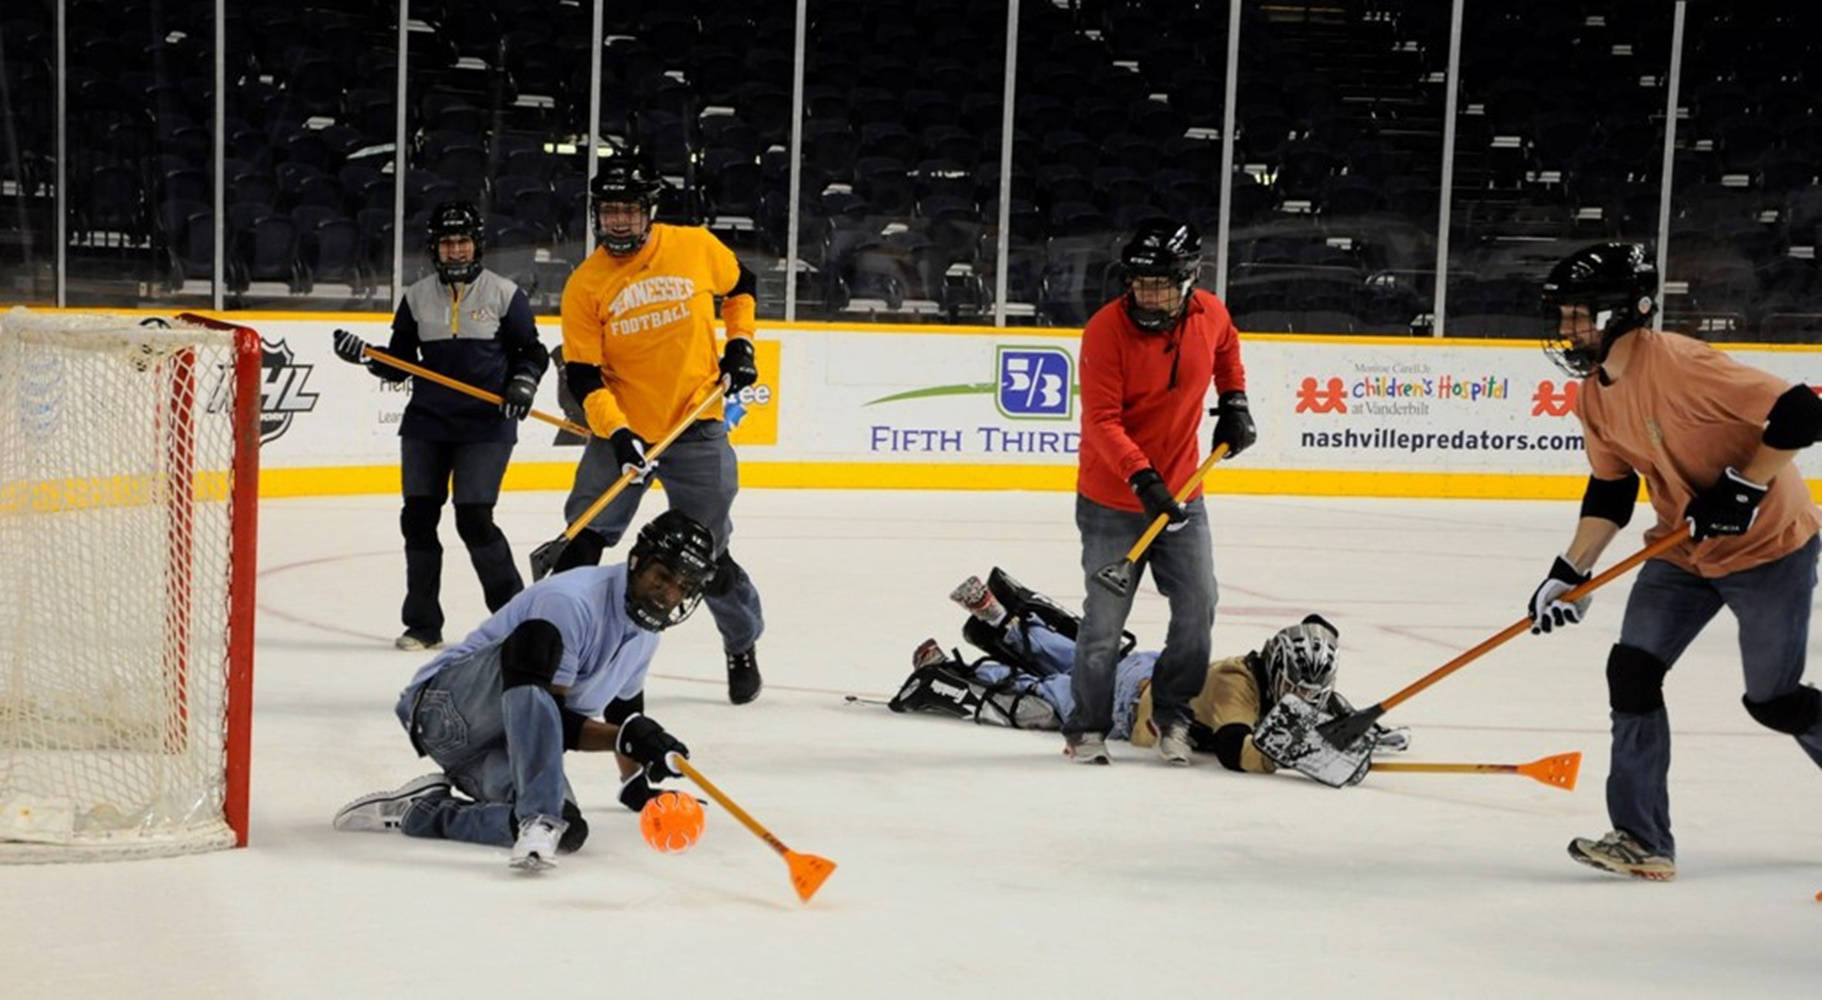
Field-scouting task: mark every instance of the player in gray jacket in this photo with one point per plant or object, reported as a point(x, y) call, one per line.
point(475, 326)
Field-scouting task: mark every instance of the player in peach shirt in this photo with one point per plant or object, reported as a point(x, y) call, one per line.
point(1713, 441)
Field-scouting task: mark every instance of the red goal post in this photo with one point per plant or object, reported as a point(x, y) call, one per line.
point(129, 477)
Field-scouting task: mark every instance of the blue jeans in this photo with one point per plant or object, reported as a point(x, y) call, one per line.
point(503, 749)
point(1667, 609)
point(1183, 566)
point(700, 477)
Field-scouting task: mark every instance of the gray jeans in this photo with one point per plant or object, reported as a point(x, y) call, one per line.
point(700, 477)
point(1667, 609)
point(503, 749)
point(1183, 566)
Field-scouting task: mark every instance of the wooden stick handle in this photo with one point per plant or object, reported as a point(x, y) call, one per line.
point(1158, 523)
point(689, 771)
point(1606, 576)
point(1446, 768)
point(601, 502)
point(419, 371)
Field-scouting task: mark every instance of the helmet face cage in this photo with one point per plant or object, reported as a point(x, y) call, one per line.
point(624, 181)
point(456, 218)
point(1616, 283)
point(1301, 659)
point(1161, 251)
point(682, 546)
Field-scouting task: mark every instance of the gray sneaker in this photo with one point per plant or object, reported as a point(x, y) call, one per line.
point(415, 639)
point(1087, 748)
point(382, 812)
point(1173, 744)
point(1621, 853)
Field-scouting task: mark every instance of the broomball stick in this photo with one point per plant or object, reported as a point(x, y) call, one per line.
point(808, 871)
point(1345, 730)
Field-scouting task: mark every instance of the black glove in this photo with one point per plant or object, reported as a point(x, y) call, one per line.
point(637, 790)
point(1544, 608)
point(1157, 498)
point(348, 347)
point(629, 451)
point(737, 364)
point(1233, 423)
point(646, 742)
point(515, 402)
point(1727, 508)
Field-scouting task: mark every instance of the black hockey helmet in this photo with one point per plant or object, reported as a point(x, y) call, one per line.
point(1161, 250)
point(1616, 282)
point(624, 179)
point(670, 564)
point(456, 218)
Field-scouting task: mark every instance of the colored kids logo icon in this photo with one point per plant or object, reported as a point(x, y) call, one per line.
point(1547, 401)
point(1329, 398)
point(1035, 382)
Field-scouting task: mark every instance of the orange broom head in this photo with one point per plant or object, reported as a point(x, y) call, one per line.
point(1558, 771)
point(808, 873)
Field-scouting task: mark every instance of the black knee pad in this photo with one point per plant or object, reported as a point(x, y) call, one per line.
point(723, 580)
point(531, 654)
point(1635, 680)
point(418, 522)
point(1792, 712)
point(621, 709)
point(576, 833)
point(583, 550)
point(474, 522)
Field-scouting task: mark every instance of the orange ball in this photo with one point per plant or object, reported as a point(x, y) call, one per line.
point(671, 821)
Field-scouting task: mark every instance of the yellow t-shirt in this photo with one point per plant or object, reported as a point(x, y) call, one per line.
point(648, 320)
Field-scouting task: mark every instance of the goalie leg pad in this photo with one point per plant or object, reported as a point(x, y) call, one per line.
point(1015, 709)
point(943, 688)
point(1793, 712)
point(1020, 600)
point(1635, 680)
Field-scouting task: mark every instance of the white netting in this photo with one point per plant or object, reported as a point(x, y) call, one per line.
point(116, 465)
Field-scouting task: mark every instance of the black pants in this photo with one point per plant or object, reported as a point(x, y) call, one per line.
point(427, 470)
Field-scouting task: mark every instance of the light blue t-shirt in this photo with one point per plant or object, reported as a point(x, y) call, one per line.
point(605, 656)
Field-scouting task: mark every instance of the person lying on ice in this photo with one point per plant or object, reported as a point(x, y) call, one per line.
point(1023, 683)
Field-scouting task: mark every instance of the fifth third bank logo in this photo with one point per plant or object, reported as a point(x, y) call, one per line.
point(1035, 382)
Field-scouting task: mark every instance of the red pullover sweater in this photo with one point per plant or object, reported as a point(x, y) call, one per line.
point(1143, 394)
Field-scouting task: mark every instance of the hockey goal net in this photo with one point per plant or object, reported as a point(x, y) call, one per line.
point(128, 496)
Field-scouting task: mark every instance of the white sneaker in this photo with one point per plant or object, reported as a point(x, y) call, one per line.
point(536, 848)
point(381, 812)
point(1087, 748)
point(1173, 744)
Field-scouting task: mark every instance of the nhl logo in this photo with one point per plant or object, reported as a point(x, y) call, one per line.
point(282, 392)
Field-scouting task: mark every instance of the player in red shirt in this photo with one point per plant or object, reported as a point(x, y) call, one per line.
point(1147, 360)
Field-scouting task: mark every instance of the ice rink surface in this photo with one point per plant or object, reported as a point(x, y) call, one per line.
point(975, 861)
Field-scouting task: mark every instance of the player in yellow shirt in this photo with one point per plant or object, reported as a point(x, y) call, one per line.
point(640, 353)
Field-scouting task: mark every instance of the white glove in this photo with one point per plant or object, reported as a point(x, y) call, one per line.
point(1545, 609)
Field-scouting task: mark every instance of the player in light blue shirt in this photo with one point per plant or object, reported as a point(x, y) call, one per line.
point(560, 667)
